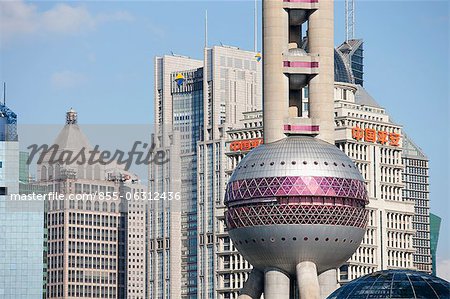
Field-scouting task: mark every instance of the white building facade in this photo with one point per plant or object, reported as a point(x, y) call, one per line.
point(365, 132)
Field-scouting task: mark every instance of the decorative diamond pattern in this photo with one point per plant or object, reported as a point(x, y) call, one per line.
point(295, 186)
point(277, 214)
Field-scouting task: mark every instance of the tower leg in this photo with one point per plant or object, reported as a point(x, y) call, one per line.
point(254, 285)
point(308, 283)
point(276, 284)
point(328, 283)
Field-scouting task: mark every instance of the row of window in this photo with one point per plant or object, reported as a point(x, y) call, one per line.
point(92, 234)
point(91, 291)
point(93, 219)
point(90, 262)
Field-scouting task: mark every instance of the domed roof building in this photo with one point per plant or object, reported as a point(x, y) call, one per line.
point(395, 284)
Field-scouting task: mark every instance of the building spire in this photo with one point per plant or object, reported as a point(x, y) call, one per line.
point(71, 117)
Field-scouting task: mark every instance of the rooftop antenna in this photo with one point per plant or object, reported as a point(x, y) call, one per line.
point(349, 20)
point(255, 31)
point(4, 93)
point(206, 28)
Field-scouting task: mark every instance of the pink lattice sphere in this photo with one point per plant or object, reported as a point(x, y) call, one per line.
point(296, 199)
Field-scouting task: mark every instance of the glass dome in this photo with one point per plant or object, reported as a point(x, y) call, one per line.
point(394, 284)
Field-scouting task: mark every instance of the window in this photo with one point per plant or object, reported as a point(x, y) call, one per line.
point(3, 191)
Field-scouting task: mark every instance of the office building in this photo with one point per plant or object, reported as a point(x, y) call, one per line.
point(416, 180)
point(196, 102)
point(96, 242)
point(367, 134)
point(21, 225)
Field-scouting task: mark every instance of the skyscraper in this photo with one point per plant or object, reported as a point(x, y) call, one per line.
point(416, 180)
point(21, 224)
point(368, 135)
point(196, 102)
point(96, 234)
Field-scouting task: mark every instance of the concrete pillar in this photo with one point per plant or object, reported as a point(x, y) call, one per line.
point(254, 285)
point(275, 82)
point(276, 284)
point(308, 283)
point(328, 283)
point(321, 87)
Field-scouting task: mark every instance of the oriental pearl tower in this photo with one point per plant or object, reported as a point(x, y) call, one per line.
point(296, 205)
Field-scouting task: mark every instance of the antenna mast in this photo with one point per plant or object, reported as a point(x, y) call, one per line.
point(255, 31)
point(4, 93)
point(206, 28)
point(349, 20)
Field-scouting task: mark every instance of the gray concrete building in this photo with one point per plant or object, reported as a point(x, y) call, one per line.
point(416, 179)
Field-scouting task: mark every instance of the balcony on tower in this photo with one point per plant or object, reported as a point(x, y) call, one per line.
point(301, 4)
point(296, 61)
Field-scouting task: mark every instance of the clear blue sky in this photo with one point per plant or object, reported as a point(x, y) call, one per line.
point(98, 58)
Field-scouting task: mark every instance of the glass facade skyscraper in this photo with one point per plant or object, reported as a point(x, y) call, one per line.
point(435, 226)
point(21, 224)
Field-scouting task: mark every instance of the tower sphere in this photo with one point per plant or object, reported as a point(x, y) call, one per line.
point(294, 200)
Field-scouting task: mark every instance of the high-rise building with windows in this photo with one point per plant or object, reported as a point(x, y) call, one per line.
point(367, 134)
point(416, 179)
point(96, 234)
point(21, 224)
point(196, 102)
point(172, 240)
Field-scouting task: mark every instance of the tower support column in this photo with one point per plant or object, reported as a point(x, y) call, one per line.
point(308, 283)
point(328, 283)
point(254, 285)
point(276, 284)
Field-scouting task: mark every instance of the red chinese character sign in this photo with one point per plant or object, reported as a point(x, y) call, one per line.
point(373, 136)
point(245, 145)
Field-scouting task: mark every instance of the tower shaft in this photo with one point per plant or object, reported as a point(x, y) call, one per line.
point(298, 57)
